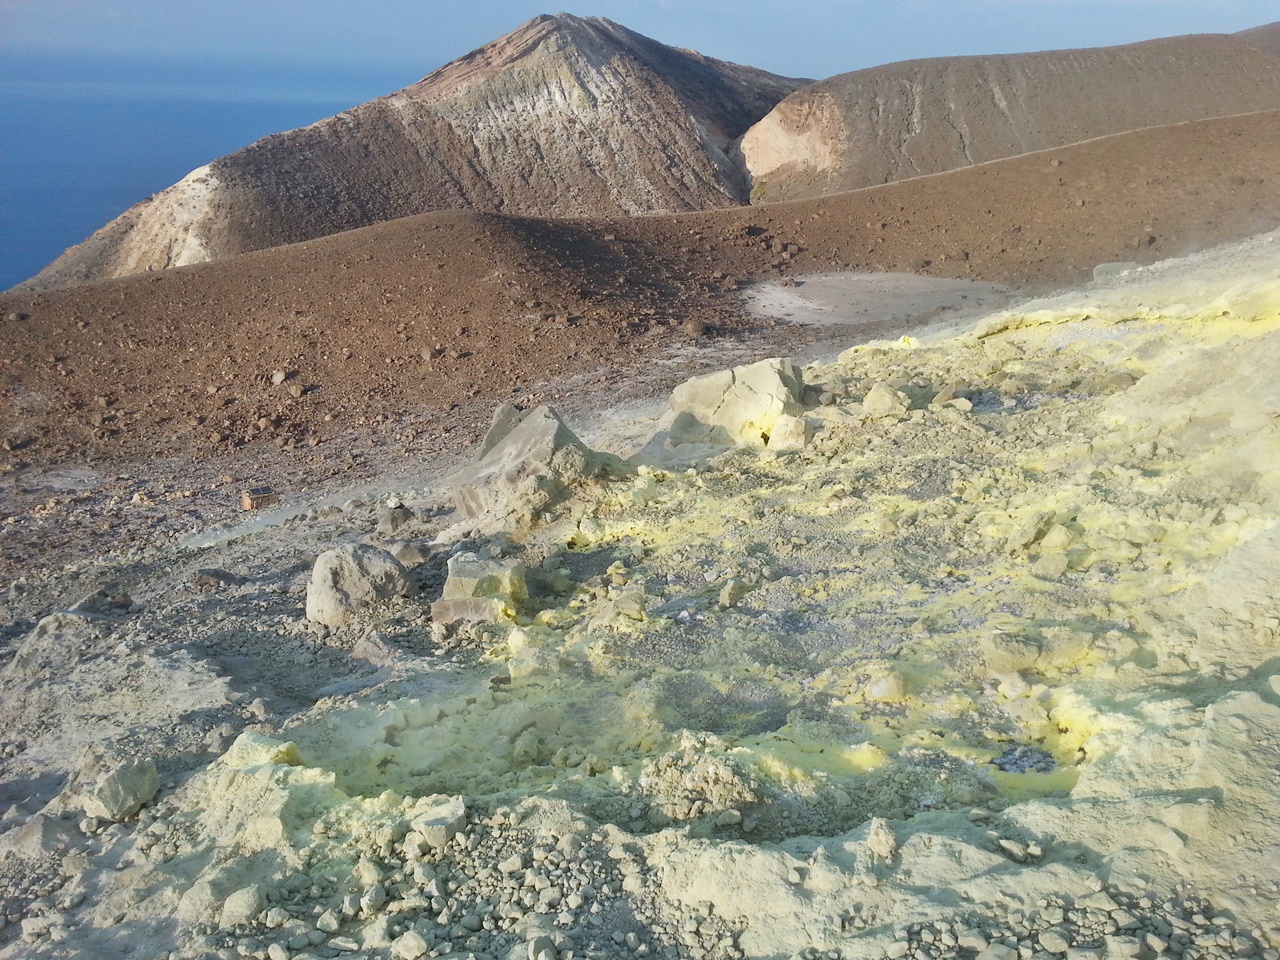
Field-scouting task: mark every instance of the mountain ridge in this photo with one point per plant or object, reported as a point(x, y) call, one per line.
point(462, 308)
point(917, 117)
point(563, 116)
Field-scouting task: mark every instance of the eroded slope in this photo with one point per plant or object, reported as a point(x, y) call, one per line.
point(565, 116)
point(927, 116)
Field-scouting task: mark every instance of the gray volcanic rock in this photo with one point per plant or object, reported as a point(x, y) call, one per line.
point(923, 117)
point(565, 116)
point(347, 579)
point(529, 461)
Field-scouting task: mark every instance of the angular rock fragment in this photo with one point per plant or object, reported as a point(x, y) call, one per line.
point(392, 518)
point(738, 406)
point(1051, 566)
point(528, 462)
point(121, 792)
point(348, 579)
point(790, 434)
point(442, 823)
point(480, 590)
point(1031, 530)
point(409, 946)
point(407, 552)
point(621, 606)
point(243, 906)
point(733, 592)
point(881, 843)
point(883, 401)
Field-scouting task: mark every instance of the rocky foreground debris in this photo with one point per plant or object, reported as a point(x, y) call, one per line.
point(979, 662)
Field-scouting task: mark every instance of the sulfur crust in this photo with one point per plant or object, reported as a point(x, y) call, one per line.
point(904, 623)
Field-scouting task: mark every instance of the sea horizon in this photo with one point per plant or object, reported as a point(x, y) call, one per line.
point(84, 139)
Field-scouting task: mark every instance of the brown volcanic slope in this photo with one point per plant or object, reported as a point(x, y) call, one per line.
point(1265, 38)
point(565, 116)
point(412, 318)
point(927, 116)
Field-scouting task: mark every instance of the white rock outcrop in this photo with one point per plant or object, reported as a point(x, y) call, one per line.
point(528, 462)
point(739, 406)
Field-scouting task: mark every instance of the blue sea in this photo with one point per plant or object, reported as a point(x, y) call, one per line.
point(81, 141)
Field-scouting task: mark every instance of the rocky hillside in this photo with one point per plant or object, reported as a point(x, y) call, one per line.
point(564, 116)
point(388, 335)
point(923, 117)
point(1265, 38)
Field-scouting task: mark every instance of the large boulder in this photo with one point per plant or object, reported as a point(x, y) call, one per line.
point(738, 406)
point(528, 462)
point(348, 579)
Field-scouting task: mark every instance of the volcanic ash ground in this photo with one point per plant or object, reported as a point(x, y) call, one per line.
point(946, 649)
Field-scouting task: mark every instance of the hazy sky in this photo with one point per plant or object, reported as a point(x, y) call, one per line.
point(814, 38)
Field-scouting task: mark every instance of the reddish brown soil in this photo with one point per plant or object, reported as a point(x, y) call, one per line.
point(399, 338)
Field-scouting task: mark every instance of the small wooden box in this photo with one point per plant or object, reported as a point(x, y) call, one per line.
point(258, 498)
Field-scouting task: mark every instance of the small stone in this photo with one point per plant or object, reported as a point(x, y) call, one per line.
point(278, 377)
point(790, 434)
point(442, 823)
point(1050, 566)
point(347, 579)
point(1124, 919)
point(1055, 941)
point(732, 593)
point(883, 401)
point(1156, 943)
point(1013, 849)
point(373, 900)
point(409, 946)
point(329, 922)
point(998, 951)
point(242, 906)
point(391, 519)
point(1122, 947)
point(972, 940)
